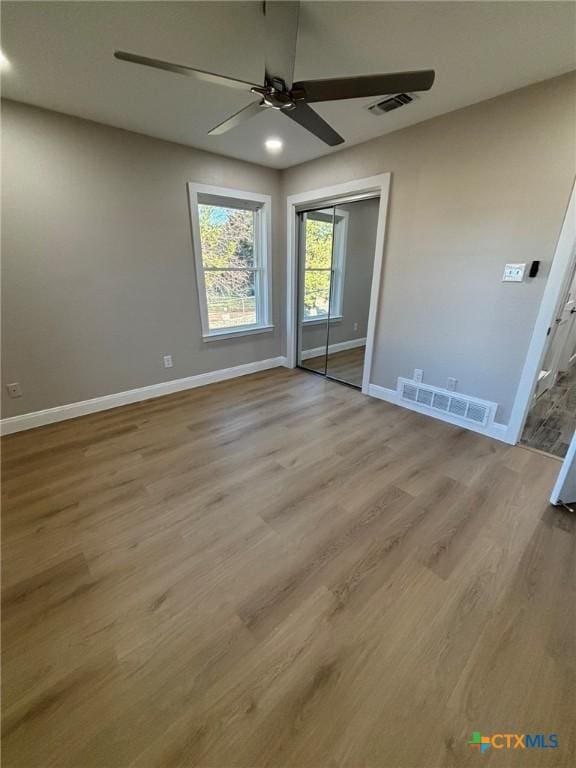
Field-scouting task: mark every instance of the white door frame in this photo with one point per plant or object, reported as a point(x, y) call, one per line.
point(555, 349)
point(560, 270)
point(565, 482)
point(336, 194)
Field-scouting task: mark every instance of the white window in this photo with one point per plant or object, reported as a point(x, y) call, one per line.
point(231, 240)
point(325, 234)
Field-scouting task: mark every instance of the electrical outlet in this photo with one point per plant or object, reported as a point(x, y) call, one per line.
point(14, 390)
point(451, 384)
point(418, 375)
point(168, 361)
point(355, 326)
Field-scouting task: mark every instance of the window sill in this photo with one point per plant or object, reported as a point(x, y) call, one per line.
point(232, 333)
point(322, 320)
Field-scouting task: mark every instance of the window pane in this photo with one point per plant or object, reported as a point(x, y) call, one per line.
point(231, 298)
point(227, 236)
point(318, 244)
point(316, 293)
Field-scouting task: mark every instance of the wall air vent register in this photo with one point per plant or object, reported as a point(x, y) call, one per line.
point(460, 406)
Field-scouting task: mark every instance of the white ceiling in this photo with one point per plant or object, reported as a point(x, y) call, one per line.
point(61, 58)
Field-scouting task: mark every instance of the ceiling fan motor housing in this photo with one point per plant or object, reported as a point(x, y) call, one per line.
point(280, 92)
point(275, 95)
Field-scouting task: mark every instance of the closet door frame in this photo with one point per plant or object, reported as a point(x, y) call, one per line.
point(347, 192)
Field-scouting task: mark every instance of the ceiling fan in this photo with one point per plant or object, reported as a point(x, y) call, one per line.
point(280, 92)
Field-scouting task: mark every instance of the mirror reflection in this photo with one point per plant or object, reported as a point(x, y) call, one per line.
point(336, 259)
point(316, 242)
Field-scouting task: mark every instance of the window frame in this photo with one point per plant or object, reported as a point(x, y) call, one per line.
point(262, 206)
point(337, 269)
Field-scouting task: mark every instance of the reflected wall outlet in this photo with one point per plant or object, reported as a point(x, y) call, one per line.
point(418, 375)
point(167, 361)
point(14, 389)
point(451, 384)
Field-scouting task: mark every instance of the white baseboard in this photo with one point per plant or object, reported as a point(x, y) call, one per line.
point(72, 410)
point(338, 347)
point(495, 430)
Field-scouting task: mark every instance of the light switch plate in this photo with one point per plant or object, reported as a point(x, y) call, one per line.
point(513, 273)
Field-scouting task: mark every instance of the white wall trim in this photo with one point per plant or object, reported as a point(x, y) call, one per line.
point(562, 264)
point(376, 280)
point(495, 430)
point(565, 481)
point(339, 346)
point(72, 410)
point(335, 194)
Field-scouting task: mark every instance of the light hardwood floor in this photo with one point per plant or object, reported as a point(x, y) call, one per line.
point(347, 365)
point(278, 571)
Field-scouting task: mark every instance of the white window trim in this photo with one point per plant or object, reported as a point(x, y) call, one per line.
point(338, 272)
point(263, 238)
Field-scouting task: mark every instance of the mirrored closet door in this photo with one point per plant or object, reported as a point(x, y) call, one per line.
point(336, 258)
point(316, 238)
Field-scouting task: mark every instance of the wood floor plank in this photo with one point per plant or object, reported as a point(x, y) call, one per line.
point(551, 420)
point(279, 571)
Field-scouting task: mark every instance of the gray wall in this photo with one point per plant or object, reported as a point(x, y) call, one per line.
point(361, 241)
point(98, 274)
point(470, 191)
point(98, 269)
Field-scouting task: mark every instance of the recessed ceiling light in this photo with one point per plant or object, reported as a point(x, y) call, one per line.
point(273, 145)
point(4, 63)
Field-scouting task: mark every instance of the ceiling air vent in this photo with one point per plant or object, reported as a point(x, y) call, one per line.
point(430, 399)
point(390, 104)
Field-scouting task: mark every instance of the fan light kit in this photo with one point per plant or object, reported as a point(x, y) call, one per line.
point(279, 92)
point(273, 145)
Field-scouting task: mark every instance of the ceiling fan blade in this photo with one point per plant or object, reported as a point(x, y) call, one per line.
point(281, 32)
point(366, 85)
point(307, 118)
point(180, 69)
point(239, 117)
